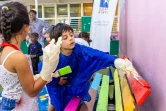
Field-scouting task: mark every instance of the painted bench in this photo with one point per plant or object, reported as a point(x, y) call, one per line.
point(111, 90)
point(95, 91)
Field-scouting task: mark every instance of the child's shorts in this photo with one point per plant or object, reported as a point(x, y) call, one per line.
point(8, 104)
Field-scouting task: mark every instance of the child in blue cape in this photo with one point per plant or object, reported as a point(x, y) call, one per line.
point(84, 61)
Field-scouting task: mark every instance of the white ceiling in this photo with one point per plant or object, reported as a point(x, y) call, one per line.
point(27, 2)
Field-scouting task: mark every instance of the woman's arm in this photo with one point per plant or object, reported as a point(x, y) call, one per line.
point(25, 76)
point(50, 62)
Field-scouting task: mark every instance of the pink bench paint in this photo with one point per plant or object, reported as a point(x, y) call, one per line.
point(73, 104)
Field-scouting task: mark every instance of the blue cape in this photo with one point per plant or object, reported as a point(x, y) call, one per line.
point(84, 61)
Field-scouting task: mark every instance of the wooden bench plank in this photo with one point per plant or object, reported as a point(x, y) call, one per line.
point(127, 97)
point(102, 104)
point(111, 92)
point(73, 104)
point(88, 106)
point(96, 81)
point(140, 88)
point(118, 98)
point(111, 86)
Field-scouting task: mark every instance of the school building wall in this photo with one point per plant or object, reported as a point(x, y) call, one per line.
point(143, 40)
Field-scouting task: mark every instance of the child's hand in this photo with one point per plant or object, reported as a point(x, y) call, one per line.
point(62, 80)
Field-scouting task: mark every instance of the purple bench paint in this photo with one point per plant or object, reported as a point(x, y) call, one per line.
point(73, 104)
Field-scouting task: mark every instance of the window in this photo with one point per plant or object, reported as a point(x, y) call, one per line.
point(75, 24)
point(49, 12)
point(50, 21)
point(75, 10)
point(66, 21)
point(87, 8)
point(62, 10)
point(39, 11)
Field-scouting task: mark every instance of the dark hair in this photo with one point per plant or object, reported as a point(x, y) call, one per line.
point(35, 34)
point(58, 29)
point(83, 35)
point(49, 30)
point(33, 11)
point(13, 16)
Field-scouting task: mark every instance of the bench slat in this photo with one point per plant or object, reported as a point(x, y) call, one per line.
point(111, 92)
point(102, 104)
point(118, 98)
point(111, 87)
point(73, 104)
point(96, 81)
point(141, 91)
point(127, 97)
point(88, 106)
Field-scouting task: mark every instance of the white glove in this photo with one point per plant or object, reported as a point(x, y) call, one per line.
point(123, 64)
point(37, 76)
point(50, 59)
point(56, 74)
point(126, 66)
